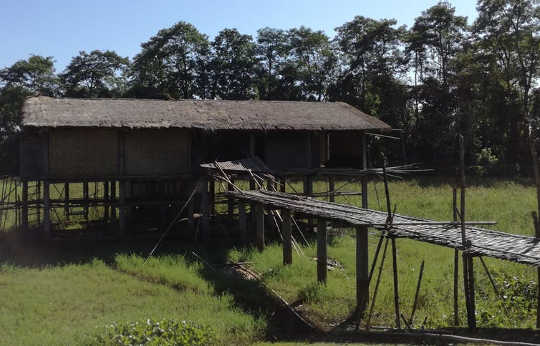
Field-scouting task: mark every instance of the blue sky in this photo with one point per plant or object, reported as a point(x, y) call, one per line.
point(62, 28)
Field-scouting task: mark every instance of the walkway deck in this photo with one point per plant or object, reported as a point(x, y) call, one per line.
point(511, 247)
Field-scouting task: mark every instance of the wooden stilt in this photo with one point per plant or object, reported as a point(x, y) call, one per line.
point(287, 236)
point(468, 270)
point(46, 209)
point(308, 191)
point(106, 208)
point(242, 221)
point(212, 196)
point(205, 208)
point(85, 198)
point(364, 180)
point(456, 262)
point(322, 254)
point(283, 184)
point(396, 286)
point(113, 199)
point(39, 198)
point(259, 216)
point(24, 214)
point(122, 209)
point(230, 201)
point(534, 155)
point(331, 188)
point(66, 200)
point(362, 274)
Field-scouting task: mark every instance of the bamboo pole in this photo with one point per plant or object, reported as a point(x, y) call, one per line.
point(534, 155)
point(368, 324)
point(322, 251)
point(287, 236)
point(417, 293)
point(456, 261)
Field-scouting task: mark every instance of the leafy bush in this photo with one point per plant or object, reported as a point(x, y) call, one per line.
point(164, 332)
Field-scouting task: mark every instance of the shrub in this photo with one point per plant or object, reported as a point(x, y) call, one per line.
point(164, 332)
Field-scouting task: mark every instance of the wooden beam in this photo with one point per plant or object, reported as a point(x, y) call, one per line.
point(85, 198)
point(536, 171)
point(66, 200)
point(396, 286)
point(259, 217)
point(322, 251)
point(39, 198)
point(106, 208)
point(364, 166)
point(287, 236)
point(362, 272)
point(113, 199)
point(230, 201)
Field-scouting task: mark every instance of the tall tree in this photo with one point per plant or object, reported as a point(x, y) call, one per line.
point(95, 74)
point(172, 64)
point(509, 38)
point(34, 76)
point(232, 65)
point(272, 50)
point(314, 61)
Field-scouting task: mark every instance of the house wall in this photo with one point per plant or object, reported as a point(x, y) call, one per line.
point(288, 150)
point(33, 153)
point(154, 152)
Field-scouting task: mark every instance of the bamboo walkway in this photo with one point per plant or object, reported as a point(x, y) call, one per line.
point(484, 242)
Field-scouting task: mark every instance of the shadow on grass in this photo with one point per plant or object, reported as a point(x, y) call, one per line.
point(29, 250)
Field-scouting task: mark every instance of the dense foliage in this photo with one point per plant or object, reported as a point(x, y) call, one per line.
point(440, 77)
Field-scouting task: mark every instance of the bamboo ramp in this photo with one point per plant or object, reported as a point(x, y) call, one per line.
point(484, 242)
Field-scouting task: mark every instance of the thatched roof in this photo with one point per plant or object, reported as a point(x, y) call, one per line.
point(201, 114)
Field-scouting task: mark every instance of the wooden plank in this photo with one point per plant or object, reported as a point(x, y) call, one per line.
point(322, 251)
point(362, 273)
point(259, 216)
point(287, 236)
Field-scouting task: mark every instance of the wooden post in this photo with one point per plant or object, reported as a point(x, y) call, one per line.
point(106, 200)
point(66, 200)
point(38, 197)
point(24, 201)
point(85, 198)
point(122, 208)
point(113, 199)
point(331, 188)
point(456, 261)
point(205, 208)
point(396, 287)
point(283, 184)
point(259, 216)
point(364, 177)
point(308, 191)
point(287, 236)
point(212, 196)
point(534, 155)
point(322, 251)
point(362, 274)
point(230, 201)
point(46, 209)
point(468, 270)
point(242, 221)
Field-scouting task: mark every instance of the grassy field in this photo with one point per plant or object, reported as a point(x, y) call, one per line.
point(68, 294)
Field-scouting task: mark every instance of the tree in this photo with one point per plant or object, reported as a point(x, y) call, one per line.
point(314, 61)
point(33, 76)
point(172, 64)
point(95, 74)
point(272, 50)
point(232, 66)
point(509, 40)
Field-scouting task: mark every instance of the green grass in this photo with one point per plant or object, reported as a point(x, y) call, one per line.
point(71, 304)
point(70, 301)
